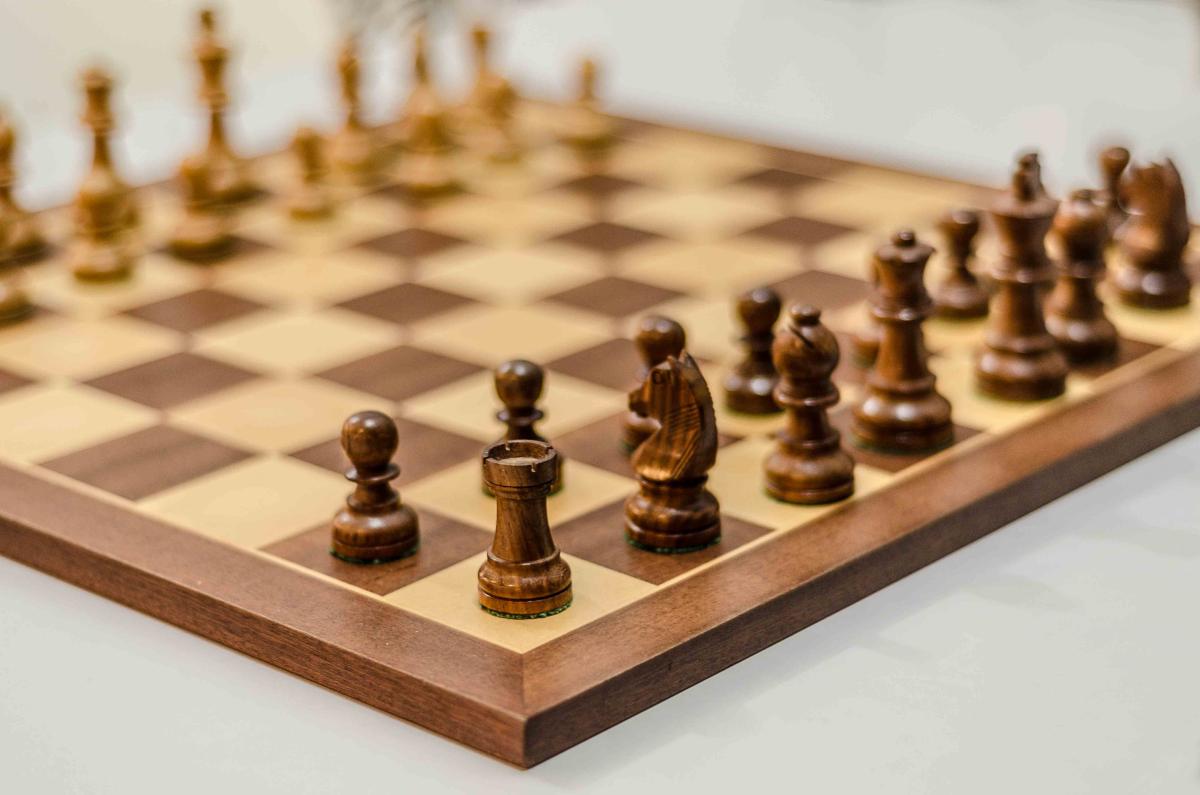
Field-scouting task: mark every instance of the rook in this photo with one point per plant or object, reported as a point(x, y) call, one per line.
point(519, 386)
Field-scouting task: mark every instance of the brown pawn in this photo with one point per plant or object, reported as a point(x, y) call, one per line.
point(355, 150)
point(1151, 272)
point(864, 342)
point(102, 183)
point(960, 294)
point(749, 385)
point(311, 200)
point(1074, 312)
point(585, 129)
point(1020, 360)
point(375, 526)
point(204, 233)
point(1113, 162)
point(808, 465)
point(902, 410)
point(519, 386)
point(656, 339)
point(228, 173)
point(25, 240)
point(524, 575)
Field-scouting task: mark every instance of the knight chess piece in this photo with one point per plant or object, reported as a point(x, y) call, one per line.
point(656, 339)
point(1020, 360)
point(1075, 314)
point(374, 526)
point(749, 385)
point(310, 201)
point(902, 410)
point(1113, 162)
point(229, 175)
point(960, 294)
point(672, 510)
point(1151, 272)
point(524, 575)
point(25, 240)
point(519, 386)
point(808, 465)
point(102, 183)
point(204, 232)
point(585, 128)
point(354, 150)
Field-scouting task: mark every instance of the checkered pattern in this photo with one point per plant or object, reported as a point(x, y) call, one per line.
point(211, 396)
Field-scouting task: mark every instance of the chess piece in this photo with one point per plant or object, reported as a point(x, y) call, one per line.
point(311, 200)
point(14, 301)
point(1020, 359)
point(477, 109)
point(960, 294)
point(203, 233)
point(672, 511)
point(25, 241)
point(354, 150)
point(585, 129)
point(374, 526)
point(497, 139)
point(808, 465)
point(229, 176)
point(102, 183)
point(749, 385)
point(864, 342)
point(425, 167)
point(519, 386)
point(902, 410)
point(656, 339)
point(1113, 162)
point(524, 575)
point(1074, 312)
point(103, 249)
point(1152, 242)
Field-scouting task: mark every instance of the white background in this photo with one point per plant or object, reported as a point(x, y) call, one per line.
point(1058, 655)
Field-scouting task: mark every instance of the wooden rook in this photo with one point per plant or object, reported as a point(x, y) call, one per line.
point(751, 382)
point(374, 526)
point(25, 240)
point(808, 465)
point(519, 386)
point(524, 575)
point(1151, 272)
point(355, 151)
point(960, 294)
point(657, 338)
point(672, 510)
point(311, 201)
point(204, 232)
point(585, 128)
point(229, 175)
point(1020, 360)
point(1113, 162)
point(902, 410)
point(1075, 314)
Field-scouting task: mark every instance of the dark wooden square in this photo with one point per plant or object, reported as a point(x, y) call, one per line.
point(444, 542)
point(10, 381)
point(412, 243)
point(614, 363)
point(777, 179)
point(400, 373)
point(1127, 351)
point(146, 462)
point(807, 162)
point(824, 290)
point(173, 380)
point(891, 462)
point(615, 297)
point(195, 310)
point(406, 303)
point(801, 231)
point(606, 237)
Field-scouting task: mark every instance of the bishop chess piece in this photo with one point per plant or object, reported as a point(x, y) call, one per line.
point(902, 410)
point(1074, 312)
point(228, 174)
point(1151, 272)
point(311, 200)
point(585, 129)
point(374, 526)
point(102, 184)
point(960, 294)
point(204, 232)
point(657, 338)
point(808, 465)
point(672, 510)
point(519, 386)
point(25, 240)
point(751, 382)
point(1113, 162)
point(524, 575)
point(354, 149)
point(1020, 360)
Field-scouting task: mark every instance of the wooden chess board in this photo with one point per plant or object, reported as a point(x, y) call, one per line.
point(170, 442)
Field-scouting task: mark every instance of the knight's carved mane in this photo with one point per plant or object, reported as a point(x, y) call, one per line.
point(685, 444)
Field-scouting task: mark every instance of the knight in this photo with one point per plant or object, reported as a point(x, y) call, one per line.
point(1152, 241)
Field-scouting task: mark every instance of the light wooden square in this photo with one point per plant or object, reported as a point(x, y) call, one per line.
point(44, 421)
point(450, 597)
point(697, 215)
point(678, 159)
point(303, 280)
point(718, 269)
point(538, 170)
point(1179, 328)
point(63, 346)
point(252, 503)
point(846, 255)
point(947, 336)
point(365, 218)
point(154, 278)
point(511, 276)
point(880, 209)
point(278, 414)
point(509, 222)
point(490, 335)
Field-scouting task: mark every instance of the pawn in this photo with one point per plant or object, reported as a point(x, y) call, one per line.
point(585, 129)
point(656, 339)
point(1074, 312)
point(808, 465)
point(749, 385)
point(374, 527)
point(960, 294)
point(204, 232)
point(25, 240)
point(103, 249)
point(311, 200)
point(519, 386)
point(1113, 162)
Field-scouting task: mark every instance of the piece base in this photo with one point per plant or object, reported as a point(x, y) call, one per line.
point(526, 608)
point(371, 556)
point(633, 542)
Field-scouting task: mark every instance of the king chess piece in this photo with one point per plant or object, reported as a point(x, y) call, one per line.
point(1075, 314)
point(1152, 242)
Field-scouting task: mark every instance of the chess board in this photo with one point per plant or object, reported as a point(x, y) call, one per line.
point(170, 442)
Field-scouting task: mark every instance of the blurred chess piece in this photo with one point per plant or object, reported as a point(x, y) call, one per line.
point(102, 183)
point(25, 240)
point(1074, 312)
point(585, 128)
point(203, 233)
point(354, 150)
point(311, 200)
point(229, 176)
point(14, 301)
point(1153, 241)
point(425, 170)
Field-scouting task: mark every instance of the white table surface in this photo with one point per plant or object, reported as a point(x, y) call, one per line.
point(1060, 654)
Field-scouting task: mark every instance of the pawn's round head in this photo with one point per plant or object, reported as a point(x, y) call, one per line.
point(369, 440)
point(759, 309)
point(801, 315)
point(519, 383)
point(658, 337)
point(960, 224)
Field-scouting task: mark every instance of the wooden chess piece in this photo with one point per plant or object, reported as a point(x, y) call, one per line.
point(1074, 312)
point(311, 200)
point(751, 382)
point(25, 240)
point(524, 575)
point(519, 386)
point(204, 232)
point(808, 465)
point(585, 129)
point(374, 526)
point(102, 183)
point(656, 339)
point(104, 248)
point(902, 410)
point(960, 294)
point(864, 342)
point(477, 108)
point(425, 168)
point(1113, 162)
point(1151, 273)
point(1020, 360)
point(354, 149)
point(228, 174)
point(672, 510)
point(497, 139)
point(14, 301)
